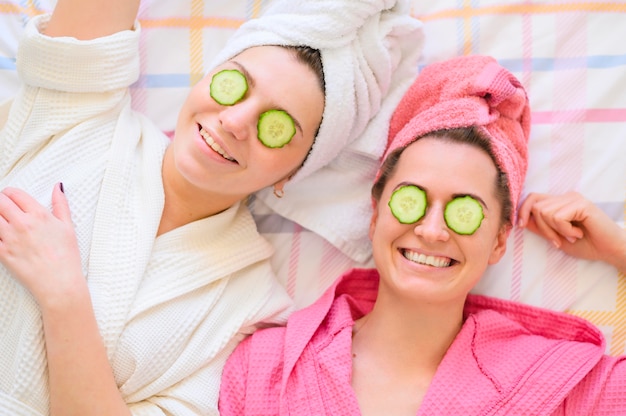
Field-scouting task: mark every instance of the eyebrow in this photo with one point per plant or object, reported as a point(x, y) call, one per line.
point(476, 197)
point(252, 82)
point(246, 74)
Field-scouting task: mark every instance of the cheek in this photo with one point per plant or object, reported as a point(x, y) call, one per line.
point(385, 228)
point(199, 96)
point(270, 166)
point(490, 247)
point(285, 161)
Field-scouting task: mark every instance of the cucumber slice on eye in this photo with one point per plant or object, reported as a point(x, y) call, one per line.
point(408, 204)
point(463, 215)
point(228, 86)
point(275, 128)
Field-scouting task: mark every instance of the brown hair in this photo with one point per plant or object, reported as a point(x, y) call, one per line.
point(468, 135)
point(313, 59)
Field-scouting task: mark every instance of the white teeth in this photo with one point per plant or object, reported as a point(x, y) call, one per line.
point(427, 260)
point(209, 140)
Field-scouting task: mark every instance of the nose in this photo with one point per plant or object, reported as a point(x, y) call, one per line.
point(432, 227)
point(240, 120)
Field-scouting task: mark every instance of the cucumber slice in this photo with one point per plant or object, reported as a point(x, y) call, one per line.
point(408, 204)
point(275, 128)
point(463, 215)
point(228, 86)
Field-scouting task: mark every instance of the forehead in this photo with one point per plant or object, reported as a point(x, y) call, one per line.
point(446, 166)
point(267, 53)
point(273, 63)
point(283, 81)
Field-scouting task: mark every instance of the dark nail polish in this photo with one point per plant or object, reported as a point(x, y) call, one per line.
point(61, 187)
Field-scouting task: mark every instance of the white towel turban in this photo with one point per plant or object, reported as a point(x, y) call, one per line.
point(369, 50)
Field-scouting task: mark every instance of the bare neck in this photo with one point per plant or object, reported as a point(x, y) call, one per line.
point(185, 203)
point(396, 349)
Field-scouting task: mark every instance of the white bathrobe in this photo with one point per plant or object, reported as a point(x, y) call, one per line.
point(170, 309)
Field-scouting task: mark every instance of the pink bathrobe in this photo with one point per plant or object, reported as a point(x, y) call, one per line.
point(508, 359)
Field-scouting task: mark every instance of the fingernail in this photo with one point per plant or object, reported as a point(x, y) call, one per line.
point(61, 187)
point(572, 240)
point(556, 244)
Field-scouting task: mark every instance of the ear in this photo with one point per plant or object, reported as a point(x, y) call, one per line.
point(373, 219)
point(499, 247)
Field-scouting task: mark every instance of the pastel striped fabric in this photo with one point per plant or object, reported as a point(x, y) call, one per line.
point(570, 55)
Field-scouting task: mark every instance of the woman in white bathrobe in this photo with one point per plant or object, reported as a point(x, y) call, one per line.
point(131, 267)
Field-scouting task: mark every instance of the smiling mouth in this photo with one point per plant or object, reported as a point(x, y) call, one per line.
point(423, 259)
point(216, 147)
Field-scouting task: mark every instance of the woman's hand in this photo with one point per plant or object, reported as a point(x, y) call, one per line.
point(39, 247)
point(575, 225)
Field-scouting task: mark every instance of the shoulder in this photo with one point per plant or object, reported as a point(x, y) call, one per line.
point(541, 341)
point(257, 355)
point(251, 377)
point(533, 320)
point(602, 389)
point(519, 355)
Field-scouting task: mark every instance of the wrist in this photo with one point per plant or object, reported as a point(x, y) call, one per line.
point(65, 298)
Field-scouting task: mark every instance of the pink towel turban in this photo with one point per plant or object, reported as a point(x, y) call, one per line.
point(469, 91)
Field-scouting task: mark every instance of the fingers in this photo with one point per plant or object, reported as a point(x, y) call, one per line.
point(537, 225)
point(14, 203)
point(60, 207)
point(38, 245)
point(524, 211)
point(5, 206)
point(554, 217)
point(561, 213)
point(13, 198)
point(20, 201)
point(575, 225)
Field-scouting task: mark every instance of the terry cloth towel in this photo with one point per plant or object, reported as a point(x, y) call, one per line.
point(469, 91)
point(370, 51)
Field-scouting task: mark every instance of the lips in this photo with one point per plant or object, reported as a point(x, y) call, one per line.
point(216, 147)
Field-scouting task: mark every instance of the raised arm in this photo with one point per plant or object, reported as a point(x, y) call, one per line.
point(576, 226)
point(90, 19)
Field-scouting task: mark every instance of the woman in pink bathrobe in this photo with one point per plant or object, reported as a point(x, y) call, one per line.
point(408, 337)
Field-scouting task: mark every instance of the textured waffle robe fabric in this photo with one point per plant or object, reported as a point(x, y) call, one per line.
point(170, 308)
point(508, 359)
